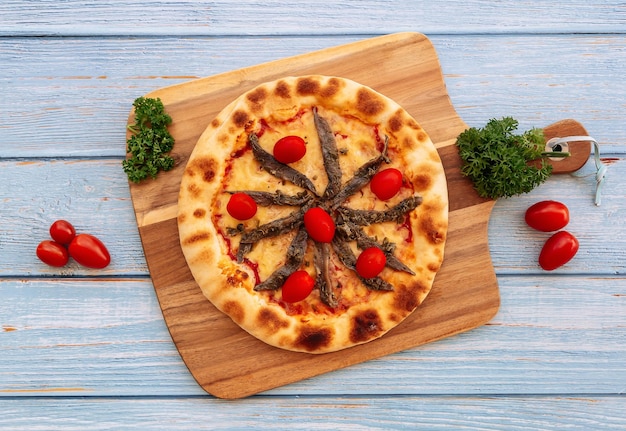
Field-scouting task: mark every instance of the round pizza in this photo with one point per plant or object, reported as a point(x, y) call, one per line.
point(313, 211)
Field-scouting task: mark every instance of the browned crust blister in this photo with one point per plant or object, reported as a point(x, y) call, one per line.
point(221, 160)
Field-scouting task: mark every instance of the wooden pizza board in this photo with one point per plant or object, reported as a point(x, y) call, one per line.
point(225, 360)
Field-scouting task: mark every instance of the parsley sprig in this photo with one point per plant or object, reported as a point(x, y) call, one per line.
point(150, 141)
point(497, 160)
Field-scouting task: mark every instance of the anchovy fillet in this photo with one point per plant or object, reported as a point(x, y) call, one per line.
point(361, 177)
point(279, 170)
point(376, 283)
point(330, 155)
point(266, 199)
point(294, 258)
point(323, 281)
point(395, 213)
point(273, 228)
point(351, 232)
point(347, 257)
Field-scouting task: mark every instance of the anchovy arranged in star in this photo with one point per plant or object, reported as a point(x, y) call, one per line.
point(376, 283)
point(273, 228)
point(347, 257)
point(266, 199)
point(361, 177)
point(395, 213)
point(294, 258)
point(322, 280)
point(279, 170)
point(330, 155)
point(348, 222)
point(351, 232)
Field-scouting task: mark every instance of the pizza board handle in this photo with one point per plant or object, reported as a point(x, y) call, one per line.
point(579, 150)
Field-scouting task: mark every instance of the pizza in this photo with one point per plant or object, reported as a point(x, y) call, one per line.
point(313, 211)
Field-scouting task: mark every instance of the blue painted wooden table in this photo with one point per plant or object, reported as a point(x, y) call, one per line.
point(88, 349)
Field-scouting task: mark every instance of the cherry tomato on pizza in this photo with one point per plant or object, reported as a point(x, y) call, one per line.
point(62, 232)
point(241, 206)
point(89, 251)
point(547, 216)
point(52, 253)
point(386, 183)
point(319, 225)
point(370, 262)
point(289, 149)
point(297, 286)
point(559, 249)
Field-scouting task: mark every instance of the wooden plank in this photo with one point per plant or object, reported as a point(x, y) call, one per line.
point(78, 110)
point(106, 337)
point(85, 337)
point(91, 194)
point(293, 17)
point(583, 413)
point(599, 229)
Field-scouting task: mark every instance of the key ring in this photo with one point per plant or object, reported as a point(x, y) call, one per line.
point(601, 168)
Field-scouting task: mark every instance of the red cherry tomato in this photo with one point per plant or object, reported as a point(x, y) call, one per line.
point(297, 286)
point(319, 225)
point(547, 216)
point(52, 253)
point(241, 206)
point(89, 251)
point(62, 232)
point(559, 249)
point(370, 262)
point(289, 149)
point(386, 183)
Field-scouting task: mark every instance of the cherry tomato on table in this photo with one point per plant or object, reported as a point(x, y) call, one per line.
point(319, 225)
point(52, 253)
point(241, 206)
point(386, 183)
point(370, 262)
point(559, 249)
point(547, 216)
point(289, 149)
point(297, 286)
point(89, 251)
point(62, 232)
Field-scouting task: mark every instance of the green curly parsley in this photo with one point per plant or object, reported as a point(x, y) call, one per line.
point(496, 159)
point(150, 142)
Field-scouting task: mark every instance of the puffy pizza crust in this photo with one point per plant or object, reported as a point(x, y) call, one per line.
point(220, 161)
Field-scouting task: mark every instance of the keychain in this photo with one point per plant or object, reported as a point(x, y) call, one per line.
point(566, 145)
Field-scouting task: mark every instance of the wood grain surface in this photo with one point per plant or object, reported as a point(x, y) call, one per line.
point(228, 362)
point(225, 360)
point(88, 349)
